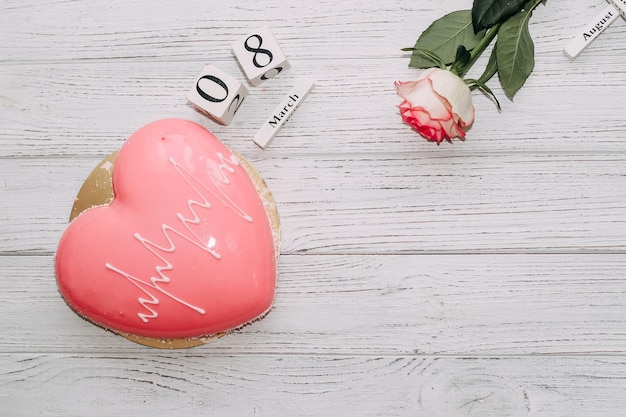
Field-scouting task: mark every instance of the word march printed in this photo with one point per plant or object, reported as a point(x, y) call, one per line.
point(292, 100)
point(282, 113)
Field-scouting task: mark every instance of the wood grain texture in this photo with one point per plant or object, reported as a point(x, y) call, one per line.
point(312, 385)
point(342, 203)
point(484, 278)
point(91, 99)
point(374, 305)
point(89, 108)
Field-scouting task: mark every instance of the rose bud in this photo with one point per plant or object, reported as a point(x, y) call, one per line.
point(438, 105)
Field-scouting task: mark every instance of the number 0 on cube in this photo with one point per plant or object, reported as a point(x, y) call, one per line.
point(217, 94)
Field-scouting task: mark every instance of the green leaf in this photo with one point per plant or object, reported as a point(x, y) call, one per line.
point(462, 60)
point(477, 84)
point(443, 38)
point(462, 56)
point(486, 13)
point(515, 52)
point(433, 58)
point(491, 69)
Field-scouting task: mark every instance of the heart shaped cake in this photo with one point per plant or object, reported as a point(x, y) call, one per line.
point(173, 241)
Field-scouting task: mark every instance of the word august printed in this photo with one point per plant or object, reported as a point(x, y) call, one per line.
point(599, 27)
point(589, 33)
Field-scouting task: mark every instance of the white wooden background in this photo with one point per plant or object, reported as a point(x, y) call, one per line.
point(484, 278)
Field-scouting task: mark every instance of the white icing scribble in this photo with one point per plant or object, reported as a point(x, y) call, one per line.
point(203, 192)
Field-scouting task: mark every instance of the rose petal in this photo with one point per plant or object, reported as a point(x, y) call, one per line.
point(456, 92)
point(429, 128)
point(453, 129)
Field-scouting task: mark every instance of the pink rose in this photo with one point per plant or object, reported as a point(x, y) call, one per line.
point(438, 105)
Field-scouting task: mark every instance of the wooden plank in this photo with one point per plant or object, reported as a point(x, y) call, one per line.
point(311, 385)
point(328, 29)
point(483, 278)
point(372, 305)
point(82, 109)
point(380, 204)
point(77, 102)
point(126, 31)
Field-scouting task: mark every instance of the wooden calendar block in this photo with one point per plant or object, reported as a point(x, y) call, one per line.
point(621, 5)
point(217, 94)
point(283, 112)
point(590, 32)
point(260, 56)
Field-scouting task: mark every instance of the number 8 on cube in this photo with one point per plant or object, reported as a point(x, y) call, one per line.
point(260, 56)
point(217, 94)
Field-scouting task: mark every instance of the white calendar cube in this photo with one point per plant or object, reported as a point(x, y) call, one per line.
point(217, 94)
point(260, 56)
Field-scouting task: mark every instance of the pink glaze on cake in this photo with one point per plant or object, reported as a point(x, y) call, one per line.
point(185, 249)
